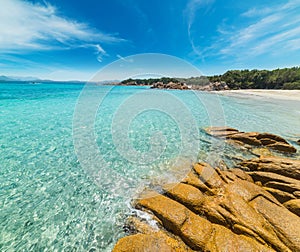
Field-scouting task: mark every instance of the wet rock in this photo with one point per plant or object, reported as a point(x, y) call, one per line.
point(246, 138)
point(145, 242)
point(254, 139)
point(282, 147)
point(214, 210)
point(197, 232)
point(262, 152)
point(268, 136)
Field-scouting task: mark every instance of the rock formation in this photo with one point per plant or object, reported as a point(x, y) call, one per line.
point(254, 206)
point(251, 139)
point(212, 86)
point(170, 85)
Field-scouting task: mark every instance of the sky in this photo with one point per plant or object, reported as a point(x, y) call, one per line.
point(72, 40)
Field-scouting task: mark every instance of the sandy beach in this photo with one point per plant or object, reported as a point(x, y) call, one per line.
point(260, 93)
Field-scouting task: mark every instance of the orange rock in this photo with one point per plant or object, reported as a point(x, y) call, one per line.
point(155, 242)
point(283, 166)
point(293, 206)
point(214, 210)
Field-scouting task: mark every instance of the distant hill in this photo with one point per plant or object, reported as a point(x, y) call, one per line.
point(5, 78)
point(16, 78)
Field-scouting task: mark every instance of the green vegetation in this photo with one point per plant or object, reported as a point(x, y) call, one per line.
point(287, 78)
point(164, 80)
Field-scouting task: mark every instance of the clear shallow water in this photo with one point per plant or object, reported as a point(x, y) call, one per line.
point(49, 202)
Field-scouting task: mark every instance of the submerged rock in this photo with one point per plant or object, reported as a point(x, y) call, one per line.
point(252, 207)
point(255, 139)
point(214, 210)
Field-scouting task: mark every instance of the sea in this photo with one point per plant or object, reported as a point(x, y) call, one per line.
point(74, 155)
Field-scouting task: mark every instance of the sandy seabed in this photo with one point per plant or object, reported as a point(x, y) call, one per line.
point(260, 93)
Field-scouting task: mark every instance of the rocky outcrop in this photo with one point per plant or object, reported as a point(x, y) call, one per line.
point(212, 86)
point(214, 210)
point(275, 165)
point(170, 85)
point(250, 139)
point(278, 176)
point(254, 206)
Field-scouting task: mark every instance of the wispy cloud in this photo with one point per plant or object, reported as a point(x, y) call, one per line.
point(190, 13)
point(27, 26)
point(255, 12)
point(276, 29)
point(126, 59)
point(193, 6)
point(268, 31)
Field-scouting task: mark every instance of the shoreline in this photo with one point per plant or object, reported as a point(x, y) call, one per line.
point(279, 94)
point(247, 207)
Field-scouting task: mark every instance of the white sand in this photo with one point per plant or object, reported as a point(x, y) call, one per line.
point(260, 93)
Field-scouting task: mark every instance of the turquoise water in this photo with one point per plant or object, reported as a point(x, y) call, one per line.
point(51, 201)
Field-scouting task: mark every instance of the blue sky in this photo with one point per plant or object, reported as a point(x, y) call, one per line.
point(63, 40)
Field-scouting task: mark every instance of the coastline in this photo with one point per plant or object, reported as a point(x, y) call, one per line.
point(262, 93)
point(252, 206)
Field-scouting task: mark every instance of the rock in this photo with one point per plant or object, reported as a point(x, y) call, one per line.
point(155, 242)
point(282, 166)
point(212, 86)
point(195, 231)
point(297, 194)
point(282, 147)
point(255, 139)
point(246, 138)
point(293, 206)
point(279, 176)
point(268, 136)
point(241, 174)
point(224, 210)
point(281, 196)
point(285, 223)
point(170, 85)
point(186, 194)
point(220, 131)
point(276, 181)
point(221, 128)
point(262, 152)
point(267, 141)
point(298, 142)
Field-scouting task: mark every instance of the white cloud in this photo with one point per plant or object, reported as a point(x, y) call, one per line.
point(254, 12)
point(272, 30)
point(25, 26)
point(193, 6)
point(190, 12)
point(126, 59)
